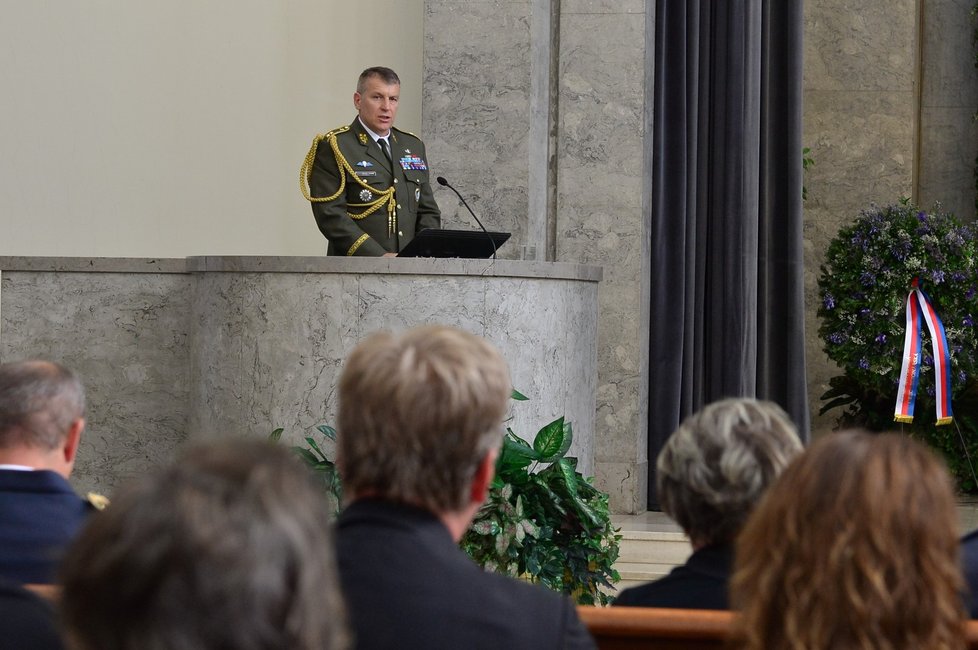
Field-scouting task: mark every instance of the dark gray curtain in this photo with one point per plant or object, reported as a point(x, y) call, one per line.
point(727, 311)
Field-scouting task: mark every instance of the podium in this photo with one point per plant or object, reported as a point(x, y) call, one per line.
point(171, 350)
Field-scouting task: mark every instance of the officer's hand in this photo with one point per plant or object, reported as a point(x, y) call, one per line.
point(390, 254)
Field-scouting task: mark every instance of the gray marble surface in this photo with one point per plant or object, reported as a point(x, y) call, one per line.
point(206, 347)
point(539, 104)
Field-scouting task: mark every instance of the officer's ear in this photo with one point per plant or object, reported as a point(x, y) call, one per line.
point(356, 100)
point(73, 437)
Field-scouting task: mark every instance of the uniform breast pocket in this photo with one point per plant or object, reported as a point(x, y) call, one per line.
point(415, 180)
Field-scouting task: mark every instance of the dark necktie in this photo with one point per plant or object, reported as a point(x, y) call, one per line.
point(383, 145)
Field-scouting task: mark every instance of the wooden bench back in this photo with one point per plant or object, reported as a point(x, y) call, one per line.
point(653, 628)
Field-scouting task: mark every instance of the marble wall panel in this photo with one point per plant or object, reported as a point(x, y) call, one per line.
point(559, 375)
point(476, 110)
point(268, 349)
point(865, 45)
point(949, 100)
point(859, 122)
point(599, 217)
point(125, 336)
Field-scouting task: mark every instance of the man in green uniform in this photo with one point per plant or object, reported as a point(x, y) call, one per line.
point(368, 182)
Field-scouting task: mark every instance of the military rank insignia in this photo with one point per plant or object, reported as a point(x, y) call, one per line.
point(413, 162)
point(363, 138)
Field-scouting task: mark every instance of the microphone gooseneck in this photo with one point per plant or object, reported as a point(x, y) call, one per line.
point(443, 182)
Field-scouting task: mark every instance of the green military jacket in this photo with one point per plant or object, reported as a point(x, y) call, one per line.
point(363, 204)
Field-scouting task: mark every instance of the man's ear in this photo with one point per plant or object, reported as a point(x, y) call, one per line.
point(482, 480)
point(72, 439)
point(356, 100)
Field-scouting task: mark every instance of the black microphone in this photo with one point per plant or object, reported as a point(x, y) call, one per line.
point(441, 181)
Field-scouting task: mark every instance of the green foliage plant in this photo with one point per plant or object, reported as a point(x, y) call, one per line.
point(550, 526)
point(863, 287)
point(317, 460)
point(544, 521)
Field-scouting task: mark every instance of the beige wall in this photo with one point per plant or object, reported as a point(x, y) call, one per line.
point(177, 128)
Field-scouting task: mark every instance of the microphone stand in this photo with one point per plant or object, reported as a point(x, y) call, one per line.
point(441, 181)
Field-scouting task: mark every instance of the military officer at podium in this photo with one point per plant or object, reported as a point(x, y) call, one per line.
point(368, 182)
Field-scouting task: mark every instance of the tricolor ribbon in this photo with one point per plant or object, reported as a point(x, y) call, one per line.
point(919, 305)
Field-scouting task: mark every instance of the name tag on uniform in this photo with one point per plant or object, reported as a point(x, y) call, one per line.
point(413, 162)
point(367, 173)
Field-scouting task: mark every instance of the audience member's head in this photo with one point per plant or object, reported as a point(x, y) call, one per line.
point(227, 548)
point(42, 415)
point(854, 546)
point(420, 417)
point(715, 466)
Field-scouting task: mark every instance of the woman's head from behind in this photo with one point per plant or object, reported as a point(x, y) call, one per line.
point(717, 464)
point(854, 546)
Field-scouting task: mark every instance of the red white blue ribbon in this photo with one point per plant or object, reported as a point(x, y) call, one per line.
point(918, 305)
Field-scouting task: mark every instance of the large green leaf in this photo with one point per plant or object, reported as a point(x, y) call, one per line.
point(518, 396)
point(551, 439)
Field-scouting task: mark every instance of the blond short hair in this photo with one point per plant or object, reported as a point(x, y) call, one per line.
point(418, 412)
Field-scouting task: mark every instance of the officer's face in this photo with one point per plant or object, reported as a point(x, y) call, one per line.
point(377, 104)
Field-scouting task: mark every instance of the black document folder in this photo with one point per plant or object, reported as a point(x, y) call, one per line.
point(433, 242)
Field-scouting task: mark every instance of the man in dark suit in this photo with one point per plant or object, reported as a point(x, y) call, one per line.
point(42, 416)
point(420, 425)
point(368, 182)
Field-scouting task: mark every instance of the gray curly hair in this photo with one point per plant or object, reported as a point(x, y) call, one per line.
point(715, 466)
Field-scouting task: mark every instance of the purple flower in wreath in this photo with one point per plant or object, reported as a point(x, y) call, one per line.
point(864, 363)
point(867, 279)
point(962, 376)
point(881, 338)
point(968, 321)
point(970, 293)
point(958, 276)
point(928, 360)
point(937, 276)
point(837, 338)
point(828, 301)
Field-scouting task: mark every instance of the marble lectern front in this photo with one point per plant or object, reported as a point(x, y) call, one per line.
point(177, 349)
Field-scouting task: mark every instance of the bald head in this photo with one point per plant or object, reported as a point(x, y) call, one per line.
point(40, 402)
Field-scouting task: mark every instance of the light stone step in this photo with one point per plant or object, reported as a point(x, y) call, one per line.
point(646, 555)
point(653, 548)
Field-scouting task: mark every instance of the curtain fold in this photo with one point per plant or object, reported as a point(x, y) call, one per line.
point(727, 305)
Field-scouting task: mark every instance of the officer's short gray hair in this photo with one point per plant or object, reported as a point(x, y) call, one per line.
point(389, 77)
point(715, 466)
point(39, 400)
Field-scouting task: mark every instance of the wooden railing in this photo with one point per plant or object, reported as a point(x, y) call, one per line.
point(652, 628)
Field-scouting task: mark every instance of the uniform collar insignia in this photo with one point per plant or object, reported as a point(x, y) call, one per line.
point(363, 138)
point(365, 163)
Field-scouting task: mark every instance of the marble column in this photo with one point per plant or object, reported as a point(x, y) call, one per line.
point(537, 109)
